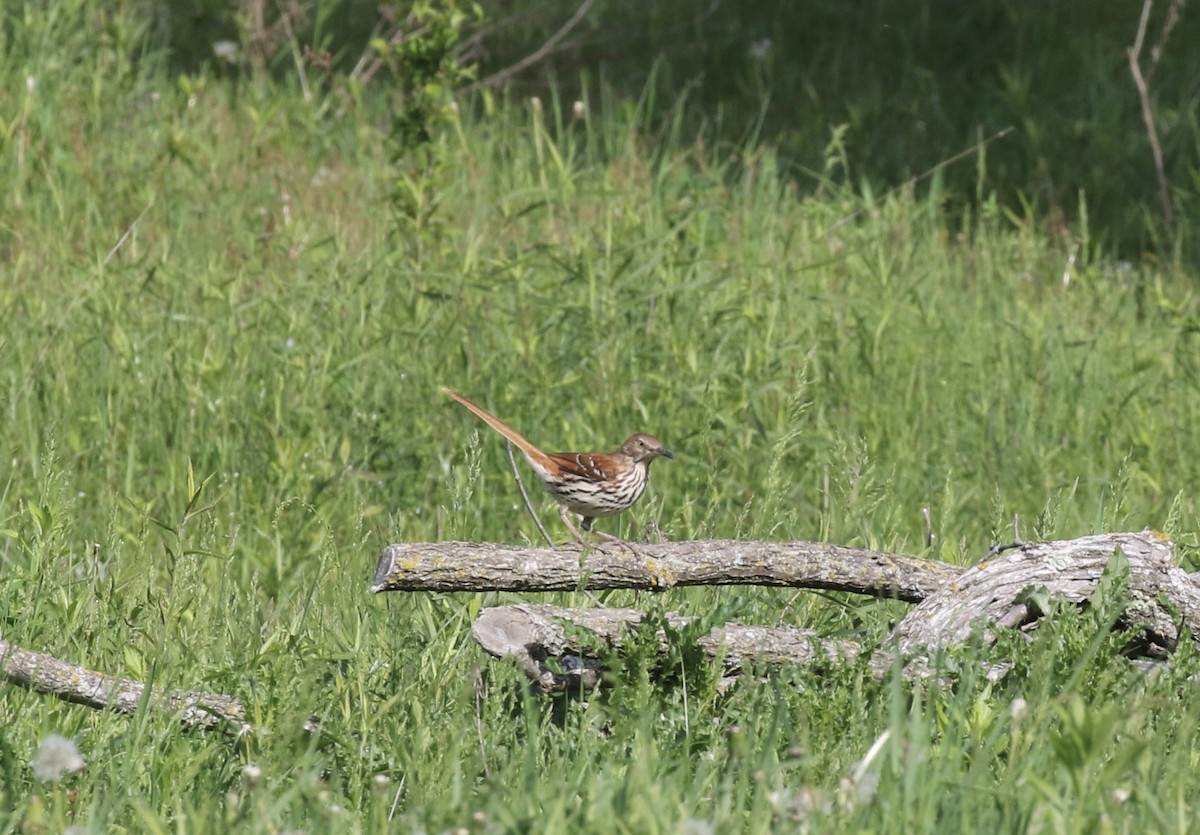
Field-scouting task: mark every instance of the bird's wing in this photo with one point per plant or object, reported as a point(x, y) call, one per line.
point(593, 467)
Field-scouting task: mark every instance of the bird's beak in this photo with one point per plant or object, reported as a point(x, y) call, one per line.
point(665, 453)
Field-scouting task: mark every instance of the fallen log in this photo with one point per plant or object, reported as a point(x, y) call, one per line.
point(467, 566)
point(1160, 597)
point(531, 633)
point(44, 673)
point(1161, 600)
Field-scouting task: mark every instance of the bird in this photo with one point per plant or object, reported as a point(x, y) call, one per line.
point(592, 484)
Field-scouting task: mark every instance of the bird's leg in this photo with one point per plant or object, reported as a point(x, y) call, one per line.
point(615, 540)
point(566, 517)
point(587, 526)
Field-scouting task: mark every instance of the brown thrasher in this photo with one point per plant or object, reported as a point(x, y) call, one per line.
point(592, 484)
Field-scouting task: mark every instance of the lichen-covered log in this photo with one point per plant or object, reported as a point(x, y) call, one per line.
point(46, 674)
point(531, 633)
point(463, 566)
point(1161, 597)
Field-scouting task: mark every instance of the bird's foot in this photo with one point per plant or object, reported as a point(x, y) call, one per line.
point(618, 542)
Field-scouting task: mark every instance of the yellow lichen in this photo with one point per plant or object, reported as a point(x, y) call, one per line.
point(659, 577)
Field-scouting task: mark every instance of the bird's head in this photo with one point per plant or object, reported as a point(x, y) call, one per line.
point(642, 447)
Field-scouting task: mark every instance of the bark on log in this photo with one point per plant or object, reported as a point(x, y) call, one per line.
point(44, 673)
point(1161, 596)
point(465, 566)
point(953, 602)
point(1160, 599)
point(531, 633)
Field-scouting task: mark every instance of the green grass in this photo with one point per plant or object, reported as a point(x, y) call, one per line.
point(220, 354)
point(910, 84)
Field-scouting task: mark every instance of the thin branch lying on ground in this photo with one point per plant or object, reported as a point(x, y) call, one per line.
point(44, 673)
point(467, 566)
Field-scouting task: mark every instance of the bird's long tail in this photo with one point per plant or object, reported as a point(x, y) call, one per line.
point(534, 454)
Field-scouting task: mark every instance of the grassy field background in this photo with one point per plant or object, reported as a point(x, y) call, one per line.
point(220, 359)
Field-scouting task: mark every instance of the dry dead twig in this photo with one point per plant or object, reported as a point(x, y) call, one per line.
point(1142, 82)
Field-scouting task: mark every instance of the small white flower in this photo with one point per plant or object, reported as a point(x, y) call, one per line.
point(1018, 709)
point(56, 756)
point(579, 110)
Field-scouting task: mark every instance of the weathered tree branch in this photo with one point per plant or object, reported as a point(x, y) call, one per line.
point(1160, 601)
point(1162, 597)
point(464, 566)
point(530, 633)
point(44, 673)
